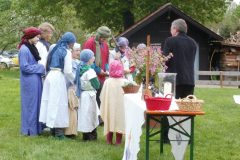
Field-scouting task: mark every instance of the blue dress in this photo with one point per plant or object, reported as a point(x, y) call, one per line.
point(31, 90)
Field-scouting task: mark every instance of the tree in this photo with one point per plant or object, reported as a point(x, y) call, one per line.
point(119, 14)
point(116, 13)
point(236, 18)
point(85, 16)
point(231, 22)
point(17, 15)
point(62, 16)
point(9, 25)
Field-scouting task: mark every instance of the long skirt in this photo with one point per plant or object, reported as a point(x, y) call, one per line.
point(54, 103)
point(88, 112)
point(72, 110)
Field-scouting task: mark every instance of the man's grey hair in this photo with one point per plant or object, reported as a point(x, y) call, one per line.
point(180, 25)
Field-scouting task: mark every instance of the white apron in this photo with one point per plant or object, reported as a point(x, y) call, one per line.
point(88, 110)
point(54, 104)
point(126, 66)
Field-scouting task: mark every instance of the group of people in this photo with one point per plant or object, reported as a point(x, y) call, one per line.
point(69, 88)
point(60, 87)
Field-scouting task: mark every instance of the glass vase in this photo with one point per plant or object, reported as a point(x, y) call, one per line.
point(167, 84)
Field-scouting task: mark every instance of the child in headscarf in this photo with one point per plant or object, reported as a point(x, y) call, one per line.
point(87, 82)
point(73, 104)
point(54, 103)
point(112, 105)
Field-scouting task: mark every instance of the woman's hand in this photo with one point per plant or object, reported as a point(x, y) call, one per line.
point(117, 56)
point(127, 71)
point(104, 74)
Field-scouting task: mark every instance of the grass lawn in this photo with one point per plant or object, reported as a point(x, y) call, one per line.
point(216, 133)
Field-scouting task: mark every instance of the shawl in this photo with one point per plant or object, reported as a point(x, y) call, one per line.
point(61, 46)
point(81, 68)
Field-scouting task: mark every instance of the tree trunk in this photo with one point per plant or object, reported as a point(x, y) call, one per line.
point(128, 19)
point(128, 16)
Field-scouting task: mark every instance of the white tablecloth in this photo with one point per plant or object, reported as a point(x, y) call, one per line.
point(236, 98)
point(134, 118)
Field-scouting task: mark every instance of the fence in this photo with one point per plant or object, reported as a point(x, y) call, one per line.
point(222, 78)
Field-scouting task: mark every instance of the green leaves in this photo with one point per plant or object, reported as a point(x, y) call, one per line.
point(86, 16)
point(4, 5)
point(111, 12)
point(231, 23)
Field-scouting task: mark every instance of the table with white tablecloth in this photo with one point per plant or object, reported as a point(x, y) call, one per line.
point(135, 109)
point(134, 118)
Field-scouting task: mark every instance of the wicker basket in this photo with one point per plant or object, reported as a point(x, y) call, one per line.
point(190, 103)
point(131, 89)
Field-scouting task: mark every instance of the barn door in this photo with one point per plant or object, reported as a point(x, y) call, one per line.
point(196, 63)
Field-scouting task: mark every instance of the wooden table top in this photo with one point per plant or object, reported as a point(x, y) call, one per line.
point(175, 113)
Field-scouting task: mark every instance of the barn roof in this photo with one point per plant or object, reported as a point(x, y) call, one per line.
point(162, 10)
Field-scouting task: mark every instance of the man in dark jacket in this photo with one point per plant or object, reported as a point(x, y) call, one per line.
point(183, 49)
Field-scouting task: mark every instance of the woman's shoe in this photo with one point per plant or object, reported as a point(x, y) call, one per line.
point(118, 138)
point(60, 137)
point(109, 137)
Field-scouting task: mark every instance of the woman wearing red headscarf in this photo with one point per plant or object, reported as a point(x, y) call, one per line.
point(31, 82)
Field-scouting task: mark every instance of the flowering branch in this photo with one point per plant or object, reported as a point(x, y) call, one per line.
point(137, 57)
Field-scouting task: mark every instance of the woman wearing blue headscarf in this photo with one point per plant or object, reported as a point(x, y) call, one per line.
point(87, 82)
point(54, 103)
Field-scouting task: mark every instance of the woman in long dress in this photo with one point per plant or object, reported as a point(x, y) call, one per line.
point(54, 103)
point(31, 82)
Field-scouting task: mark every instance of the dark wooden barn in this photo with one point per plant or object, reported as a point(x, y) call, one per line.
point(158, 23)
point(226, 54)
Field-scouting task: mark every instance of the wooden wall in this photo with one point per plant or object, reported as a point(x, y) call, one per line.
point(160, 30)
point(229, 59)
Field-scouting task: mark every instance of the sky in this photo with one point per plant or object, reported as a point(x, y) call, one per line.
point(237, 1)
